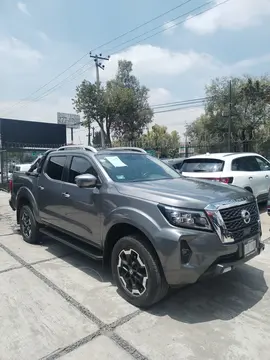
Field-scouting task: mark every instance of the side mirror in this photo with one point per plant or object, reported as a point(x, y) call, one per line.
point(86, 181)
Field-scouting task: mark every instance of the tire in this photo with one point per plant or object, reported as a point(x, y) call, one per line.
point(27, 217)
point(155, 288)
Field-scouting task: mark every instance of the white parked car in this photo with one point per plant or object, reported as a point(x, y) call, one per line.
point(22, 167)
point(250, 171)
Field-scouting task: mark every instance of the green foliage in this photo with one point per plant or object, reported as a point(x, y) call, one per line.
point(122, 105)
point(250, 110)
point(159, 139)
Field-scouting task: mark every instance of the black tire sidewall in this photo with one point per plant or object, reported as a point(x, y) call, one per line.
point(154, 281)
point(34, 227)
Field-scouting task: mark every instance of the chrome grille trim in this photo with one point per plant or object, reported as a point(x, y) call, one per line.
point(214, 212)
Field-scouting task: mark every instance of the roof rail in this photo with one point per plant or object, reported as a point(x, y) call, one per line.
point(77, 147)
point(127, 148)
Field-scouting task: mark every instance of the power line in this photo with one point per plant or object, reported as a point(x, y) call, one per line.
point(80, 72)
point(182, 102)
point(99, 47)
point(184, 107)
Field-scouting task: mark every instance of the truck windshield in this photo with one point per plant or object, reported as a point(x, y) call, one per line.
point(135, 167)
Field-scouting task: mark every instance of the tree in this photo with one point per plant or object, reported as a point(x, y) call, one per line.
point(134, 112)
point(122, 105)
point(159, 139)
point(90, 101)
point(250, 111)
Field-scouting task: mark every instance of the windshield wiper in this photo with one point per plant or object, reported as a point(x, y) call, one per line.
point(200, 171)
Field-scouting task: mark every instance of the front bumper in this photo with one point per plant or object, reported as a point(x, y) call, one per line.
point(208, 255)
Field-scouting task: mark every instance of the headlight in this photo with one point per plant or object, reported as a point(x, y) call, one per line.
point(186, 218)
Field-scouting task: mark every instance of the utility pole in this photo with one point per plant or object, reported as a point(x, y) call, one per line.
point(230, 117)
point(99, 65)
point(72, 134)
point(93, 134)
point(89, 133)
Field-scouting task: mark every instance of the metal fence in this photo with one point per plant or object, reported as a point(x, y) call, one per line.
point(15, 153)
point(27, 153)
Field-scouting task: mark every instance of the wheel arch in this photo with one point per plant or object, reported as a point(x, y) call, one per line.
point(248, 188)
point(25, 197)
point(118, 231)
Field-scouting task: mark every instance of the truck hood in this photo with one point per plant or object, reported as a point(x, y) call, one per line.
point(182, 192)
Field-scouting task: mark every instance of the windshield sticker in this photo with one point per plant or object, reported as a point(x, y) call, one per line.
point(115, 161)
point(120, 177)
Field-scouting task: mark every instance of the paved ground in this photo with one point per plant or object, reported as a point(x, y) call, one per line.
point(56, 303)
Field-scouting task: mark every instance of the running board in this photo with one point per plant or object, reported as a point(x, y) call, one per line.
point(75, 244)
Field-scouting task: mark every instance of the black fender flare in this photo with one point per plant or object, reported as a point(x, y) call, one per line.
point(24, 194)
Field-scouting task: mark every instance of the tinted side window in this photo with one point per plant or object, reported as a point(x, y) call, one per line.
point(79, 166)
point(55, 167)
point(245, 163)
point(263, 164)
point(178, 166)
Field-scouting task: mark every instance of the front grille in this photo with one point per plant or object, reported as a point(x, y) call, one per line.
point(235, 224)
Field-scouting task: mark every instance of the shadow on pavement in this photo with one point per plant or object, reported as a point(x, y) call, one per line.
point(224, 297)
point(75, 259)
point(263, 208)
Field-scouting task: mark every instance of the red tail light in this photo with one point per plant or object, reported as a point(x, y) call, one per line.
point(225, 180)
point(10, 184)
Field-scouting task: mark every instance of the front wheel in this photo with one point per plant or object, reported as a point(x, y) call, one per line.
point(28, 225)
point(137, 272)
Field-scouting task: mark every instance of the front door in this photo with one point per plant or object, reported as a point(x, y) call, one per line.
point(264, 166)
point(81, 206)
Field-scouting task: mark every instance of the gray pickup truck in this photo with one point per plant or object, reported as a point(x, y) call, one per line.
point(154, 227)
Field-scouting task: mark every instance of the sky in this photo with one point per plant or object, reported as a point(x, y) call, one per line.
point(41, 39)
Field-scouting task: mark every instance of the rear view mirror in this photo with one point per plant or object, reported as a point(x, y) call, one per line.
point(86, 181)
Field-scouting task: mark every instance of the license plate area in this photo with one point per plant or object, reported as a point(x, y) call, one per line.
point(249, 247)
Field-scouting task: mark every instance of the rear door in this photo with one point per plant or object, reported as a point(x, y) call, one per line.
point(50, 189)
point(248, 174)
point(203, 168)
point(81, 207)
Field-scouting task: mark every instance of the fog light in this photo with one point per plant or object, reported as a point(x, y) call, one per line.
point(186, 252)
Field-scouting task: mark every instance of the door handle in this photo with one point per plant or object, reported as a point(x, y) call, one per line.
point(66, 195)
point(40, 187)
point(250, 178)
point(267, 176)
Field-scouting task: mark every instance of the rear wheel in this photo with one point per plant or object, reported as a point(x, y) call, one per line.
point(137, 272)
point(28, 225)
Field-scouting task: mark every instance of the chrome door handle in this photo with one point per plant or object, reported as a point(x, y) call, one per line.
point(267, 176)
point(40, 187)
point(66, 195)
point(250, 178)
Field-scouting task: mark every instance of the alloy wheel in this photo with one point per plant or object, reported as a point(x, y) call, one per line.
point(132, 272)
point(26, 224)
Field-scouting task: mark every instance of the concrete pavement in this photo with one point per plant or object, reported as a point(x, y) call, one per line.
point(56, 303)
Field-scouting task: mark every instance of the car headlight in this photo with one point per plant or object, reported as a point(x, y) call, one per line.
point(186, 218)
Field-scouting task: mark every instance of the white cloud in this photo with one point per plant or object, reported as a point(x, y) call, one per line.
point(23, 8)
point(43, 36)
point(149, 60)
point(169, 27)
point(176, 120)
point(153, 65)
point(17, 56)
point(234, 15)
point(159, 95)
